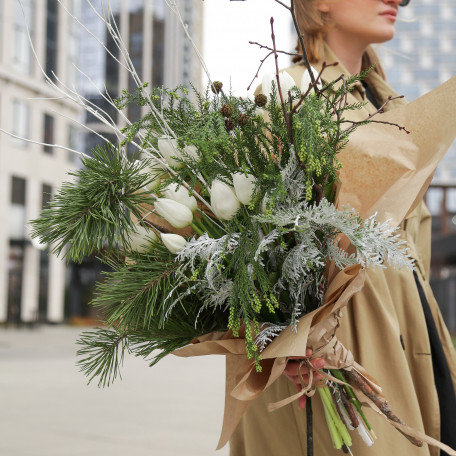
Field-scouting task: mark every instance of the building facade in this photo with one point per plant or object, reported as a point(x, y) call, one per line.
point(33, 284)
point(421, 57)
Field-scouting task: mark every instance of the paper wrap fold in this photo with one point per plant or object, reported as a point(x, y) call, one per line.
point(315, 330)
point(384, 171)
point(387, 171)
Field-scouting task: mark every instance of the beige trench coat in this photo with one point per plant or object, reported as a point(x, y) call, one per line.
point(387, 308)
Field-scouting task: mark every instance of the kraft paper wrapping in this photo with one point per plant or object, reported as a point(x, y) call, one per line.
point(387, 171)
point(384, 171)
point(244, 383)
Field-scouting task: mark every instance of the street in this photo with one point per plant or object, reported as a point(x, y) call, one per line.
point(47, 409)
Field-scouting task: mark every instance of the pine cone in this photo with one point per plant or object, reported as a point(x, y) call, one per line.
point(243, 119)
point(227, 110)
point(261, 100)
point(216, 87)
point(229, 124)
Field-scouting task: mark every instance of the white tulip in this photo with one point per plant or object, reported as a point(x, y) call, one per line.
point(173, 242)
point(306, 81)
point(168, 149)
point(259, 112)
point(151, 172)
point(139, 241)
point(192, 152)
point(180, 194)
point(224, 201)
point(286, 83)
point(244, 186)
point(173, 212)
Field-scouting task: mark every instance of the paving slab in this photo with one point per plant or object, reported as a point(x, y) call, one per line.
point(47, 409)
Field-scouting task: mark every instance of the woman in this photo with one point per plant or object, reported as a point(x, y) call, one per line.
point(393, 326)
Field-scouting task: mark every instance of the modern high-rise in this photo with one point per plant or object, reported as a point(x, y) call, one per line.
point(422, 56)
point(157, 46)
point(32, 284)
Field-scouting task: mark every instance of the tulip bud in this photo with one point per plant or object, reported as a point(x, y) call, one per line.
point(168, 149)
point(140, 240)
point(151, 173)
point(180, 194)
point(173, 212)
point(173, 242)
point(243, 186)
point(306, 81)
point(192, 152)
point(223, 200)
point(286, 83)
point(259, 112)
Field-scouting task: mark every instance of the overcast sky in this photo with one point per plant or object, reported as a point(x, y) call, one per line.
point(228, 28)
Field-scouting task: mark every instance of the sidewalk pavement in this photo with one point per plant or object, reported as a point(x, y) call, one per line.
point(47, 409)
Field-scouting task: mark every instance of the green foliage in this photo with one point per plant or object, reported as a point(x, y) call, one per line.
point(237, 274)
point(133, 294)
point(93, 212)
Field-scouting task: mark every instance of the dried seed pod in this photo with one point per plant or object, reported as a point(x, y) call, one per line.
point(227, 110)
point(243, 119)
point(261, 100)
point(229, 124)
point(217, 86)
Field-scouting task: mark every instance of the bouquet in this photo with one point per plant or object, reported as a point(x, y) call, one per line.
point(226, 235)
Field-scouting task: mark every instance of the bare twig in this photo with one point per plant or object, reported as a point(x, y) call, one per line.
point(279, 90)
point(380, 110)
point(357, 381)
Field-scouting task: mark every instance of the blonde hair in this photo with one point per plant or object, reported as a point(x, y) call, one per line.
point(313, 25)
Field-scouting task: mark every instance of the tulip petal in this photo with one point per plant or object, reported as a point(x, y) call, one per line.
point(173, 242)
point(224, 201)
point(244, 186)
point(141, 239)
point(178, 215)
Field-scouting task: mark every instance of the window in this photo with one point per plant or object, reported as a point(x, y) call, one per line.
point(51, 38)
point(16, 218)
point(43, 293)
point(73, 143)
point(48, 138)
point(158, 44)
point(21, 122)
point(72, 51)
point(23, 57)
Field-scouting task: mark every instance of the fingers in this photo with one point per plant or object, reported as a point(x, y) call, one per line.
point(296, 380)
point(293, 367)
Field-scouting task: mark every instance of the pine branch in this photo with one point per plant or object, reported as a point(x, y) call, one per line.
point(93, 213)
point(135, 294)
point(103, 352)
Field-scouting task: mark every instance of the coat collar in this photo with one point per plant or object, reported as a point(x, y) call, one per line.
point(379, 87)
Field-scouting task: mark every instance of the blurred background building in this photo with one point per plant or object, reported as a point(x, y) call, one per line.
point(38, 287)
point(35, 286)
point(420, 58)
point(31, 282)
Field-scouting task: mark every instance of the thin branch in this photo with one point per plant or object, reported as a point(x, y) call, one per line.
point(57, 146)
point(276, 58)
point(380, 110)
